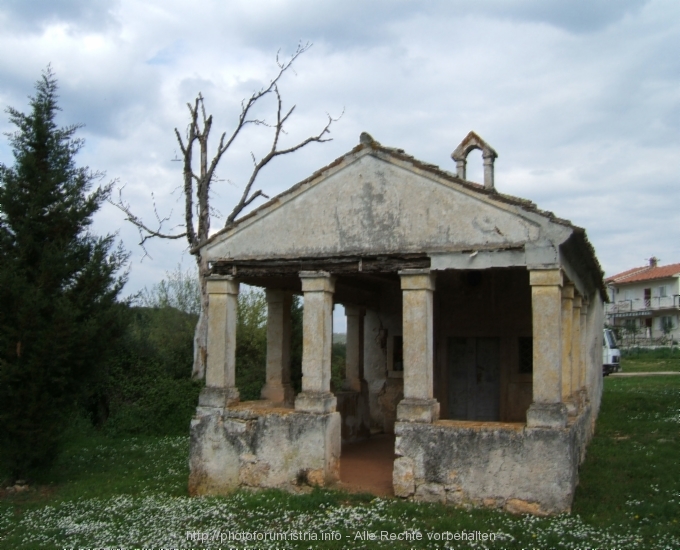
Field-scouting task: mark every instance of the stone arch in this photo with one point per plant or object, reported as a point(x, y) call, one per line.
point(470, 142)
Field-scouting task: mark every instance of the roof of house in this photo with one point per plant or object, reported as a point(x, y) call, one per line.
point(644, 273)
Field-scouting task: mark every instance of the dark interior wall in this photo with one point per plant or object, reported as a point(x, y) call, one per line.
point(482, 328)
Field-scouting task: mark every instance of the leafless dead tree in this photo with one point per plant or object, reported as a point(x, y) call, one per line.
point(197, 184)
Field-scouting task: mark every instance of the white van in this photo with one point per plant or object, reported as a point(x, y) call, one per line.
point(611, 356)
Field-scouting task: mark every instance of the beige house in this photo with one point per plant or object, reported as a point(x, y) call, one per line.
point(474, 327)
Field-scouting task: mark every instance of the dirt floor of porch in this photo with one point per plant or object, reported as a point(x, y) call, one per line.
point(366, 466)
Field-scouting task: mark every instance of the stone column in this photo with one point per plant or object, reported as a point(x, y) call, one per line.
point(567, 337)
point(220, 374)
point(418, 404)
point(581, 386)
point(576, 348)
point(354, 348)
point(488, 159)
point(317, 341)
point(547, 409)
point(277, 387)
point(461, 165)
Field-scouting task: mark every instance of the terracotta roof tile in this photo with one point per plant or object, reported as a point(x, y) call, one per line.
point(644, 273)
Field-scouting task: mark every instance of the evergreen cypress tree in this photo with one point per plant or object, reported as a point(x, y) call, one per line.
point(58, 283)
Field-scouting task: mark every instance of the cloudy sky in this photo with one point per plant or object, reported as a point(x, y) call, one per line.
point(581, 99)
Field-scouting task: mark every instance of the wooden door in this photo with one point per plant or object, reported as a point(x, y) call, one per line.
point(474, 378)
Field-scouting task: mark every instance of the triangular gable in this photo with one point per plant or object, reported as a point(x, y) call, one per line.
point(371, 204)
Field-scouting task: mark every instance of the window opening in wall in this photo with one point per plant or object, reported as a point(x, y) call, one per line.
point(666, 324)
point(398, 354)
point(525, 347)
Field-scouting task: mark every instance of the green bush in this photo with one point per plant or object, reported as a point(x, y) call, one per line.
point(251, 344)
point(148, 389)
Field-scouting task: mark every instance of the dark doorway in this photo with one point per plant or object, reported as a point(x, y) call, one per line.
point(474, 378)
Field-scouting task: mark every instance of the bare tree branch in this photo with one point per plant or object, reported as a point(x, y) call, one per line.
point(197, 182)
point(274, 152)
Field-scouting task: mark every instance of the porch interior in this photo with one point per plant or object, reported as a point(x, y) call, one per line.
point(482, 328)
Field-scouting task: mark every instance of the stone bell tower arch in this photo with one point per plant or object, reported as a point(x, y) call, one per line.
point(473, 141)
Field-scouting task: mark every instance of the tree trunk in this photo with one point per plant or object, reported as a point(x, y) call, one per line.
point(201, 334)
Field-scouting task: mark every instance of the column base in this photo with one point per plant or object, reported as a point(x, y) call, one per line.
point(547, 415)
point(278, 393)
point(583, 397)
point(315, 402)
point(572, 405)
point(418, 410)
point(218, 397)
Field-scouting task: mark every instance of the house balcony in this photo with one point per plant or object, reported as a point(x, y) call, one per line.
point(643, 307)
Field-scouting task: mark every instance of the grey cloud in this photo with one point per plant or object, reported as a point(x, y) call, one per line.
point(576, 16)
point(356, 24)
point(34, 15)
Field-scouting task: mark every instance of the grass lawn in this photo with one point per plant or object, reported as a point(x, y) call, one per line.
point(642, 360)
point(131, 493)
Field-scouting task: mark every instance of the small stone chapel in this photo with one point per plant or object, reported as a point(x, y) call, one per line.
point(474, 335)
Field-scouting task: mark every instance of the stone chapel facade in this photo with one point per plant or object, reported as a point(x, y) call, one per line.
point(474, 327)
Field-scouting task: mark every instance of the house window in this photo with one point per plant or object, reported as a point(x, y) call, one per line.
point(525, 346)
point(662, 291)
point(666, 323)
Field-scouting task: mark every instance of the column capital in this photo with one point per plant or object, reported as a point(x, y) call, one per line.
point(568, 291)
point(577, 302)
point(217, 284)
point(417, 279)
point(317, 281)
point(546, 277)
point(274, 295)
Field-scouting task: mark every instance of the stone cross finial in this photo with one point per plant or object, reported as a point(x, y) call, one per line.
point(365, 138)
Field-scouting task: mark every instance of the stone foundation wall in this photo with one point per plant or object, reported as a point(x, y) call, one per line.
point(253, 446)
point(497, 465)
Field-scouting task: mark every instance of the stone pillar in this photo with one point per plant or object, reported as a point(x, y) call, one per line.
point(583, 368)
point(354, 348)
point(567, 338)
point(461, 165)
point(418, 404)
point(547, 409)
point(220, 374)
point(576, 348)
point(488, 171)
point(317, 341)
point(277, 387)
